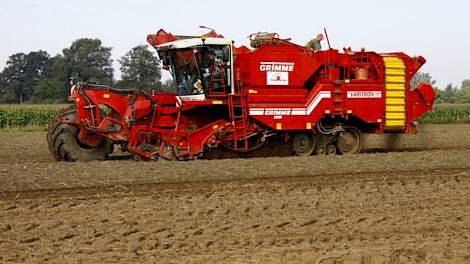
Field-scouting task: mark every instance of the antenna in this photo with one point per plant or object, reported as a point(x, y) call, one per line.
point(207, 28)
point(327, 39)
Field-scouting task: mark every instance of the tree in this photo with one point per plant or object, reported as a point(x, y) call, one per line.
point(466, 84)
point(447, 95)
point(86, 60)
point(6, 94)
point(38, 66)
point(59, 68)
point(421, 77)
point(14, 75)
point(140, 68)
point(51, 91)
point(22, 74)
point(463, 95)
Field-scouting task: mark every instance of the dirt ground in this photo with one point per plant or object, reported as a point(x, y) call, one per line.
point(407, 200)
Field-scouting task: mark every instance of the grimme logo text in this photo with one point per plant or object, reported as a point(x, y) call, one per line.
point(276, 66)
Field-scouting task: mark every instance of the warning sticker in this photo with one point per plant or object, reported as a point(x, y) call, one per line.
point(277, 78)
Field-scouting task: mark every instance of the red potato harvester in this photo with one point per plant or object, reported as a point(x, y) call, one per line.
point(240, 99)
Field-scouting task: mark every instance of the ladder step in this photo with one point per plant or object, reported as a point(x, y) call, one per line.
point(239, 115)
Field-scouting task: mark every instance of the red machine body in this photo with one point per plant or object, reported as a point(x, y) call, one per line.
point(237, 98)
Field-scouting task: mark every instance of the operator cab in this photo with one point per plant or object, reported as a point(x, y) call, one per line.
point(201, 67)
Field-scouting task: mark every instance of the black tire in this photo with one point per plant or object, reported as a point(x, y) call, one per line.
point(303, 143)
point(63, 142)
point(320, 150)
point(330, 149)
point(350, 141)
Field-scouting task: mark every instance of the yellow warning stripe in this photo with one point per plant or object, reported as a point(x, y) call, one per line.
point(395, 96)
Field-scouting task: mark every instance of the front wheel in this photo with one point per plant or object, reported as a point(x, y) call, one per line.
point(64, 144)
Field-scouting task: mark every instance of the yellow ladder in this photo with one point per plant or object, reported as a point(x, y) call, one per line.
point(395, 96)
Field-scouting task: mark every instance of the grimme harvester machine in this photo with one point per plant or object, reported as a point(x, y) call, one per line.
point(236, 98)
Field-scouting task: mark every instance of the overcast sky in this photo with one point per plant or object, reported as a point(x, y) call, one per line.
point(437, 30)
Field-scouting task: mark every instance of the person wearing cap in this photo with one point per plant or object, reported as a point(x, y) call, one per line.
point(315, 44)
point(198, 89)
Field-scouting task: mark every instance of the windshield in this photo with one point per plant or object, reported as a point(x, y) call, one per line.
point(200, 70)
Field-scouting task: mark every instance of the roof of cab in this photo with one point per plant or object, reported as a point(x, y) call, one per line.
point(191, 42)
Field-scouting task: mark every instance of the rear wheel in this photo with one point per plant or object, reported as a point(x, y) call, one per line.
point(350, 141)
point(64, 144)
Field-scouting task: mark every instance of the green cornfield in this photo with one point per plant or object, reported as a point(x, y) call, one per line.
point(27, 116)
point(447, 114)
point(36, 116)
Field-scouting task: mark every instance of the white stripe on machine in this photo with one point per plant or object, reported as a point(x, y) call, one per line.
point(292, 111)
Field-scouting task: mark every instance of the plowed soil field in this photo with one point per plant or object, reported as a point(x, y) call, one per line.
point(406, 200)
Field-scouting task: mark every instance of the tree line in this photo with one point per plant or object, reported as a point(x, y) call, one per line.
point(38, 77)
